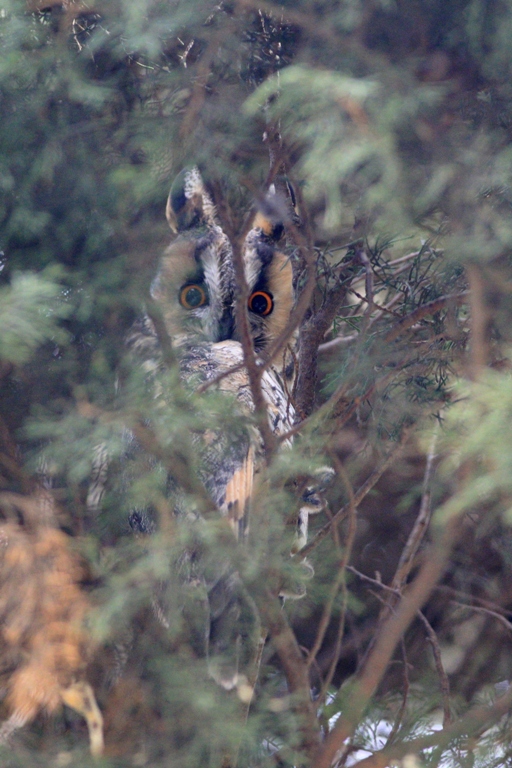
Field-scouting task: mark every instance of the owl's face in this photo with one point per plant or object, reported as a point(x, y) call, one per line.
point(195, 283)
point(269, 277)
point(196, 287)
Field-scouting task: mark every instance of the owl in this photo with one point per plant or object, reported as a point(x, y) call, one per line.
point(195, 289)
point(196, 292)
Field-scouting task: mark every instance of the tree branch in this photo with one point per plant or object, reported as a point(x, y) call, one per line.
point(359, 495)
point(295, 669)
point(474, 723)
point(390, 632)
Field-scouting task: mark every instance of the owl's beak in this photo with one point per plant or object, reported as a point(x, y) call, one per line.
point(226, 327)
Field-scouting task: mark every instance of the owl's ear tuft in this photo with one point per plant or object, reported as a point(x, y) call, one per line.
point(188, 204)
point(271, 214)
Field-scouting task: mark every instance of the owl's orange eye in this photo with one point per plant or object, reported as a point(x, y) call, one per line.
point(192, 296)
point(261, 303)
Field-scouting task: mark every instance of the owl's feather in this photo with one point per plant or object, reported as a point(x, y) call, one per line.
point(238, 495)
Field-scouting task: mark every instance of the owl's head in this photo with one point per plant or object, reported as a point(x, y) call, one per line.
point(195, 285)
point(269, 276)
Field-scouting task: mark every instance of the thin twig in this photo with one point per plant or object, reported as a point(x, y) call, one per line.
point(408, 257)
point(368, 283)
point(349, 544)
point(443, 677)
point(359, 495)
point(421, 523)
point(470, 600)
point(314, 327)
point(426, 309)
point(382, 309)
point(389, 634)
point(340, 575)
point(196, 101)
point(486, 612)
point(315, 27)
point(472, 724)
point(408, 554)
point(479, 321)
point(339, 340)
point(370, 580)
point(396, 593)
point(362, 257)
point(403, 705)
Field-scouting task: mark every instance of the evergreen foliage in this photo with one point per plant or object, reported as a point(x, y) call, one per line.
point(388, 128)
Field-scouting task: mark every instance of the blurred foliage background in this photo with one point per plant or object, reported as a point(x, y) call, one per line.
point(392, 120)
